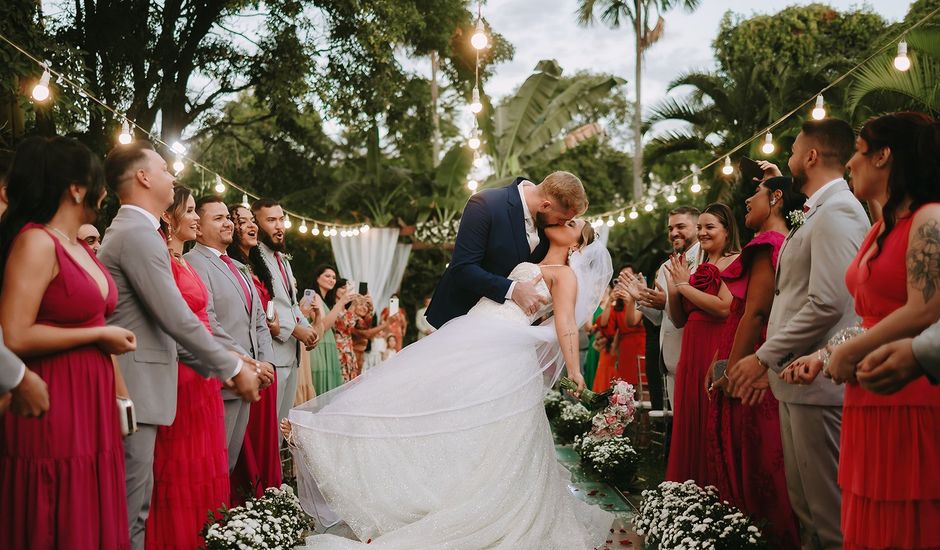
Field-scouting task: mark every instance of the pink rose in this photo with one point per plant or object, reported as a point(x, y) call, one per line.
point(611, 419)
point(621, 399)
point(619, 431)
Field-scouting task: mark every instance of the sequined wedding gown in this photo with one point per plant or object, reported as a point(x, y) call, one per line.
point(447, 446)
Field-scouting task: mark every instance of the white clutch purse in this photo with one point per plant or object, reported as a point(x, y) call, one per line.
point(127, 416)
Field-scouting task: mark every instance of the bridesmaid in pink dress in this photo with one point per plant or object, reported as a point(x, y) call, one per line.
point(259, 463)
point(744, 439)
point(889, 444)
point(190, 460)
point(62, 474)
point(700, 302)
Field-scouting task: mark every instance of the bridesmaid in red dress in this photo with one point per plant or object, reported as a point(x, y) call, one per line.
point(744, 438)
point(889, 445)
point(62, 474)
point(259, 463)
point(190, 460)
point(700, 302)
point(626, 338)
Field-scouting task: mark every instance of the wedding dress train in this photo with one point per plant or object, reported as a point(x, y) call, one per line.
point(446, 445)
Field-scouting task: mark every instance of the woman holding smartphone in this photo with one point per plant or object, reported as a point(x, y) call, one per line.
point(325, 365)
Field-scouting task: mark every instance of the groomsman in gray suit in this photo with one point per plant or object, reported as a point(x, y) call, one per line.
point(233, 304)
point(295, 329)
point(151, 306)
point(811, 304)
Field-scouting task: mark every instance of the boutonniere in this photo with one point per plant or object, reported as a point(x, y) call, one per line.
point(286, 256)
point(796, 217)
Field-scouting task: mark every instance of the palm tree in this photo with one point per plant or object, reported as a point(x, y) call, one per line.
point(639, 14)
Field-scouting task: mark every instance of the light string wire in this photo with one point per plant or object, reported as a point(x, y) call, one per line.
point(720, 158)
point(121, 117)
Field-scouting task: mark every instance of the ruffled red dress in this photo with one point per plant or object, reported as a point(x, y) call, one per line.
point(890, 449)
point(744, 442)
point(631, 342)
point(688, 456)
point(62, 475)
point(190, 459)
point(259, 463)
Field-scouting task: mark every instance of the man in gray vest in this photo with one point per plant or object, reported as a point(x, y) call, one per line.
point(811, 304)
point(151, 306)
point(234, 305)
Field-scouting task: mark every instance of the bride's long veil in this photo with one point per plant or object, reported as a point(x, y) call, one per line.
point(406, 398)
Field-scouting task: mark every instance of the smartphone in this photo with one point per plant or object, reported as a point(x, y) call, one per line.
point(393, 307)
point(363, 288)
point(269, 313)
point(750, 171)
point(308, 294)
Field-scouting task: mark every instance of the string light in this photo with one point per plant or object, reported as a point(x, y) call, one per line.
point(610, 222)
point(819, 112)
point(474, 142)
point(475, 104)
point(596, 223)
point(621, 218)
point(477, 159)
point(479, 40)
point(219, 185)
point(902, 62)
point(125, 137)
point(355, 232)
point(768, 147)
point(648, 206)
point(178, 148)
point(365, 228)
point(671, 197)
point(178, 165)
point(287, 222)
point(303, 226)
point(634, 214)
point(473, 184)
point(727, 169)
point(315, 231)
point(245, 200)
point(41, 89)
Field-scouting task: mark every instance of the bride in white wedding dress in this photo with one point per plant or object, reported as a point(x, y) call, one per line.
point(446, 445)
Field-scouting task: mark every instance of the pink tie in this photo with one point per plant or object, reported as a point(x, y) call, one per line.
point(280, 264)
point(238, 276)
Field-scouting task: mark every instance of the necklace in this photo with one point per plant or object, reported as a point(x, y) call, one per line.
point(68, 239)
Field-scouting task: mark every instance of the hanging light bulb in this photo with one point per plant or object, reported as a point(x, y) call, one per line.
point(365, 228)
point(696, 186)
point(303, 226)
point(245, 200)
point(473, 184)
point(475, 104)
point(178, 165)
point(727, 169)
point(219, 185)
point(671, 197)
point(621, 218)
point(768, 147)
point(648, 206)
point(355, 232)
point(479, 40)
point(287, 223)
point(125, 136)
point(474, 141)
point(41, 89)
point(315, 231)
point(597, 223)
point(477, 159)
point(819, 112)
point(902, 62)
point(634, 214)
point(178, 148)
point(610, 222)
point(344, 233)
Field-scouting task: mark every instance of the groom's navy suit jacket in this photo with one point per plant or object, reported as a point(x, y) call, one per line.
point(491, 241)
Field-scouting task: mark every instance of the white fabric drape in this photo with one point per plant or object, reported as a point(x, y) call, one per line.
point(374, 257)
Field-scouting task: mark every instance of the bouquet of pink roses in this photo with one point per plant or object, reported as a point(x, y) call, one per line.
point(613, 420)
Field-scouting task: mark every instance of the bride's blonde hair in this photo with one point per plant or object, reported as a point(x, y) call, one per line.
point(587, 235)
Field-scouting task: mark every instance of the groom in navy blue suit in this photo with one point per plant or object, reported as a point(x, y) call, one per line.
point(499, 229)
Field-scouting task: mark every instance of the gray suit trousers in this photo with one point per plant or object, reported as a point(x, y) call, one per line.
point(811, 457)
point(138, 465)
point(236, 422)
point(286, 389)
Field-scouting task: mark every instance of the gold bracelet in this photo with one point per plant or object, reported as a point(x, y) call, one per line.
point(682, 284)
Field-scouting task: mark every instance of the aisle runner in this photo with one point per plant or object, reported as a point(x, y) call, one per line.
point(598, 494)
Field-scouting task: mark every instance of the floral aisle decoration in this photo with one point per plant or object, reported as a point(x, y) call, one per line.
point(605, 450)
point(684, 515)
point(554, 401)
point(274, 520)
point(573, 420)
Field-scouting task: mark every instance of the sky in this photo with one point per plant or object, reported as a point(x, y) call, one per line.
point(548, 29)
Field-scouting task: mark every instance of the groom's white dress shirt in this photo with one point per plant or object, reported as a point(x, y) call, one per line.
point(531, 233)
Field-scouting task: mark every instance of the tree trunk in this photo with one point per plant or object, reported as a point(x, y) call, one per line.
point(373, 155)
point(435, 117)
point(638, 107)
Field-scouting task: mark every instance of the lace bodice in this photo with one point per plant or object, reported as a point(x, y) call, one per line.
point(508, 310)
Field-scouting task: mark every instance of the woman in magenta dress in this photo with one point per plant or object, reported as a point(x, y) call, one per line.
point(889, 446)
point(744, 444)
point(699, 302)
point(259, 463)
point(190, 460)
point(62, 474)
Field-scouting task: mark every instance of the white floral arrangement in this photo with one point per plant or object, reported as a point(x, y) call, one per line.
point(796, 217)
point(612, 460)
point(274, 520)
point(573, 420)
point(686, 516)
point(554, 401)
